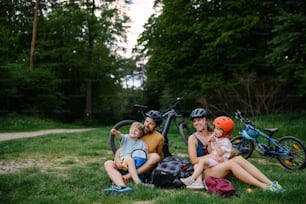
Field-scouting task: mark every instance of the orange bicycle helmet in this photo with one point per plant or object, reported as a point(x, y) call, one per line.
point(225, 123)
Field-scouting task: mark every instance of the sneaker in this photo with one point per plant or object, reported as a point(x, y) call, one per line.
point(273, 188)
point(277, 186)
point(113, 185)
point(187, 181)
point(197, 185)
point(270, 188)
point(118, 190)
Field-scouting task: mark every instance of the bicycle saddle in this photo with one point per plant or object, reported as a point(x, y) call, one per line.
point(271, 130)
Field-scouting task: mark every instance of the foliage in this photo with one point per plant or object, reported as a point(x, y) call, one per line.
point(208, 49)
point(288, 49)
point(222, 55)
point(77, 70)
point(28, 92)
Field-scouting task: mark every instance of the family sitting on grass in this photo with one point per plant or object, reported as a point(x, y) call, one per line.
point(209, 150)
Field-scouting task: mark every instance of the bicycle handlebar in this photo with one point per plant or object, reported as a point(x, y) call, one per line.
point(141, 108)
point(239, 116)
point(173, 106)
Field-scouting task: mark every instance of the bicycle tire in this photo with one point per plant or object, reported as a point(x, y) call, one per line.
point(243, 146)
point(124, 127)
point(185, 132)
point(297, 158)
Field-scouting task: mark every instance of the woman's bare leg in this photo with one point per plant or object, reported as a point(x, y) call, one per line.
point(222, 169)
point(253, 170)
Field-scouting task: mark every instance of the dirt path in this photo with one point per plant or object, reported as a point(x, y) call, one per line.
point(17, 135)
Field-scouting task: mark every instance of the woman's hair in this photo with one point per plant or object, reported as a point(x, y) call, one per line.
point(210, 127)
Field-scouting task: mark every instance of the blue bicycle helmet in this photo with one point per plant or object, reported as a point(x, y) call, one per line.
point(198, 113)
point(156, 116)
point(139, 156)
point(250, 133)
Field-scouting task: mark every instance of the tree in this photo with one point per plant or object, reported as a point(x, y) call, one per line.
point(34, 32)
point(74, 49)
point(288, 53)
point(203, 47)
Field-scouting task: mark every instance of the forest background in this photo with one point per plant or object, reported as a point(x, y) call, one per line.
point(62, 60)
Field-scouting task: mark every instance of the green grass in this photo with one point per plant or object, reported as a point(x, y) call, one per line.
point(17, 123)
point(68, 168)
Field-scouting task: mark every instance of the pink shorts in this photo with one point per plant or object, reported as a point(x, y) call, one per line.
point(213, 162)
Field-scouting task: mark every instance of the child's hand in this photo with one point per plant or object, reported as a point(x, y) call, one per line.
point(220, 159)
point(114, 131)
point(212, 138)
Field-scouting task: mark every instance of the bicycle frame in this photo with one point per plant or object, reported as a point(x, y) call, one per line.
point(281, 150)
point(288, 150)
point(170, 116)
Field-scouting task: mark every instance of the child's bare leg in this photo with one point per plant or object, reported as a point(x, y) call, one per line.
point(153, 159)
point(199, 168)
point(132, 170)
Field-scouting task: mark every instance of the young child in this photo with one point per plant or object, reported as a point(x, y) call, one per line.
point(128, 143)
point(219, 147)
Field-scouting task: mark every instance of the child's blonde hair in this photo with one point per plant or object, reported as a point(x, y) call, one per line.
point(139, 126)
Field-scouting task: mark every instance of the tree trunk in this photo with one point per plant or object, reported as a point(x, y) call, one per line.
point(88, 103)
point(34, 32)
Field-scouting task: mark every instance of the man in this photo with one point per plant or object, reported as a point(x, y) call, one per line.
point(155, 142)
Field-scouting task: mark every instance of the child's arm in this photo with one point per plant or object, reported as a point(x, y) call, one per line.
point(219, 150)
point(146, 148)
point(117, 133)
point(224, 147)
point(210, 140)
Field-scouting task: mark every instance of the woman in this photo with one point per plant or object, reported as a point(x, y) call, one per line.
point(238, 166)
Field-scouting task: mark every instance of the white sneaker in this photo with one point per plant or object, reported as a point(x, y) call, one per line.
point(197, 185)
point(187, 181)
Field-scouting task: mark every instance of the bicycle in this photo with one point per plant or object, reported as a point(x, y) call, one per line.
point(289, 150)
point(170, 115)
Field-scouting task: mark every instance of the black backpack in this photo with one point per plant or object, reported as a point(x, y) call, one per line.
point(167, 174)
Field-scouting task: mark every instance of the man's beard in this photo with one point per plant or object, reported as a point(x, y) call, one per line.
point(147, 131)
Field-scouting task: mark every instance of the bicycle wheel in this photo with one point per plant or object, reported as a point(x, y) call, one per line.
point(243, 146)
point(185, 131)
point(297, 153)
point(124, 127)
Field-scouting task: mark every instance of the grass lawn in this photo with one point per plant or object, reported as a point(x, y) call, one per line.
point(68, 168)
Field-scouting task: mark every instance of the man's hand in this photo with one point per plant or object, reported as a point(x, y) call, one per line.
point(117, 159)
point(118, 163)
